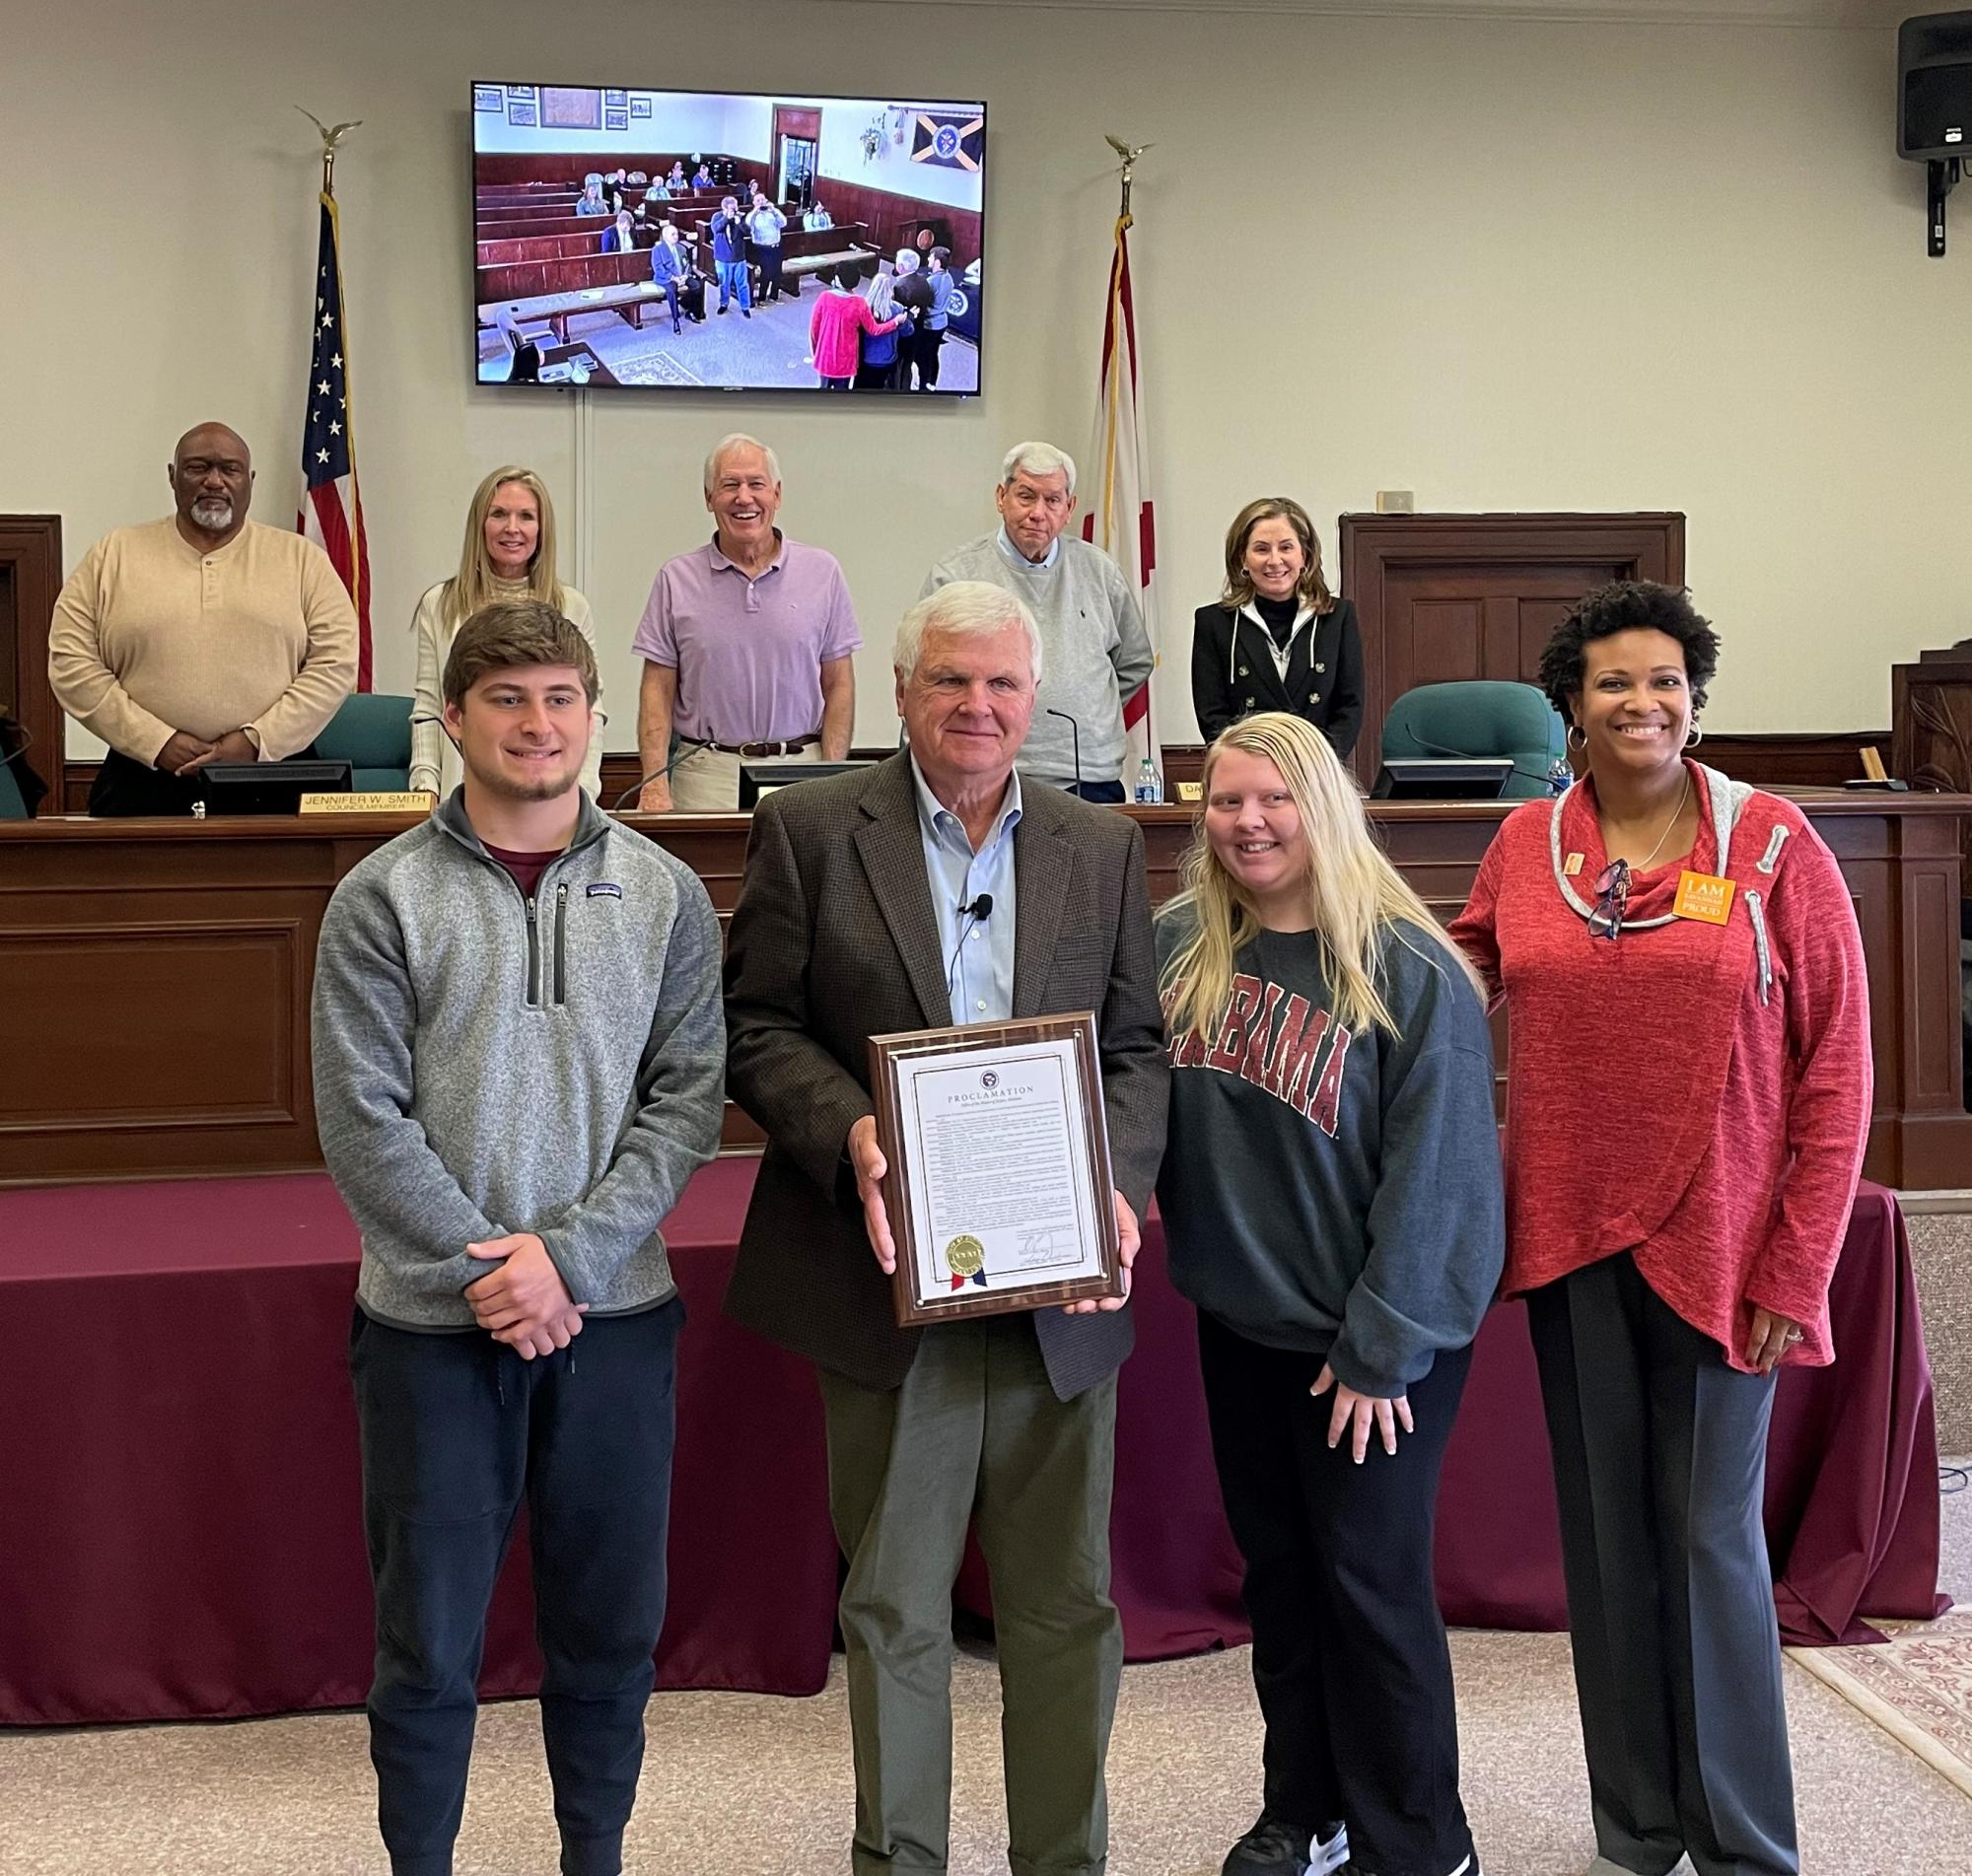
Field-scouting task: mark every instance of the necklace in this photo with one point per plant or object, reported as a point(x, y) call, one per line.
point(1643, 865)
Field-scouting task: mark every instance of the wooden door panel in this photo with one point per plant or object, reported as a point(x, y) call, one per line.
point(1441, 598)
point(1439, 641)
point(30, 577)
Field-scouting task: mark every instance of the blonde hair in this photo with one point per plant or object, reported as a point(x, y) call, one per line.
point(1310, 590)
point(471, 587)
point(1355, 895)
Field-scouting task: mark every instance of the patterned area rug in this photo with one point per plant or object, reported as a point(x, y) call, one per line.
point(1917, 1686)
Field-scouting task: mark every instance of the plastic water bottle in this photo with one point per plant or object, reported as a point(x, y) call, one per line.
point(1150, 785)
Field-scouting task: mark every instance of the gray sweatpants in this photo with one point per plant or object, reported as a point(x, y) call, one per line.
point(1660, 1461)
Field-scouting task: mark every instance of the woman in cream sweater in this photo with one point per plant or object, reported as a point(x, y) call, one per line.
point(509, 554)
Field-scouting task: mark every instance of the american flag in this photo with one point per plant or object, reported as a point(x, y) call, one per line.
point(331, 510)
point(1120, 517)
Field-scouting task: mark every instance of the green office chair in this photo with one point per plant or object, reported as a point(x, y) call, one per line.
point(1480, 718)
point(371, 733)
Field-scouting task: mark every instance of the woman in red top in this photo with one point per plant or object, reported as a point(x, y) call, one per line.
point(1688, 1097)
point(833, 327)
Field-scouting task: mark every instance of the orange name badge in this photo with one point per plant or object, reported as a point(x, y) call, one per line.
point(1703, 896)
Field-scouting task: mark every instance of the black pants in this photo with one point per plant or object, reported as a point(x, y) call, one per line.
point(768, 258)
point(1660, 1467)
point(876, 376)
point(1349, 1654)
point(125, 786)
point(456, 1430)
point(924, 350)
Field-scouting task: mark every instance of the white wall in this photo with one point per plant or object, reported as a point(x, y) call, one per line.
point(841, 157)
point(1508, 264)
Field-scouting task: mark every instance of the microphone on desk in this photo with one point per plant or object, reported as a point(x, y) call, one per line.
point(1074, 731)
point(637, 787)
point(443, 724)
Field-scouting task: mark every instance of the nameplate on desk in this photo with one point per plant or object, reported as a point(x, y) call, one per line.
point(372, 801)
point(1191, 790)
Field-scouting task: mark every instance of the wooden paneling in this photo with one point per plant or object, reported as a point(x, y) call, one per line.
point(1444, 597)
point(886, 215)
point(30, 577)
point(1766, 761)
point(1781, 761)
point(498, 167)
point(157, 972)
point(1930, 706)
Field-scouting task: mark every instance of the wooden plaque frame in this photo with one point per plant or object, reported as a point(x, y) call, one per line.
point(886, 1054)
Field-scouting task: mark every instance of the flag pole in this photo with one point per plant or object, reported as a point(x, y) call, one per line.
point(331, 508)
point(1121, 517)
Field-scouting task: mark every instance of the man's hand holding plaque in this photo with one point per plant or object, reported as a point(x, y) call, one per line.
point(984, 1174)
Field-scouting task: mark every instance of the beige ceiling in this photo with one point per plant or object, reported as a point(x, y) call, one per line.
point(1790, 13)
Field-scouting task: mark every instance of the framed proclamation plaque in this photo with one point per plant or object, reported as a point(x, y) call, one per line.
point(999, 1189)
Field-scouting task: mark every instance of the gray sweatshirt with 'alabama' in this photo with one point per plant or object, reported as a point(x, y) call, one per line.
point(487, 1063)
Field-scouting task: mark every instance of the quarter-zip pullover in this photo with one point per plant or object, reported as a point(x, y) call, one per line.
point(489, 1061)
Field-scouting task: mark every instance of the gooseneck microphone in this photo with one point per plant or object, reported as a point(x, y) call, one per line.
point(1074, 731)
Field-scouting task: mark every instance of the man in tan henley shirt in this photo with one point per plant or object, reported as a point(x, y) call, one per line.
point(202, 638)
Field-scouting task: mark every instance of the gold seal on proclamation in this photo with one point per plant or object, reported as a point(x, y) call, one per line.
point(966, 1256)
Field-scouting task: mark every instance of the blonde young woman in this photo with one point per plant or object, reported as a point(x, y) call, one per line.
point(1331, 1198)
point(509, 554)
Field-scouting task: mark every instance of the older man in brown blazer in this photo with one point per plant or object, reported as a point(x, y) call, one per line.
point(859, 916)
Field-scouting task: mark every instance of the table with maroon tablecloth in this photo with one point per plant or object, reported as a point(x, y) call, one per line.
point(184, 1537)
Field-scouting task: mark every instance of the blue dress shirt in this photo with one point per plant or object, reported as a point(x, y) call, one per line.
point(976, 954)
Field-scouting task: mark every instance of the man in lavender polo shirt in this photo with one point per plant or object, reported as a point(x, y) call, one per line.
point(746, 645)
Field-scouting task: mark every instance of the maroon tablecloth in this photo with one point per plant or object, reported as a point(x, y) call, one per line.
point(182, 1532)
point(184, 1537)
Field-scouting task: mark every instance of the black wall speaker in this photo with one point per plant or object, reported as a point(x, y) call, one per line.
point(1935, 85)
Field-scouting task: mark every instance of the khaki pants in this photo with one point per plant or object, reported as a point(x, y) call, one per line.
point(706, 781)
point(975, 1435)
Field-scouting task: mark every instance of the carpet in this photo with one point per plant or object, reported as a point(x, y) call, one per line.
point(1917, 1685)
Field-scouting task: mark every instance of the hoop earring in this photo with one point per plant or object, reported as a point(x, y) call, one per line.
point(1696, 734)
point(1577, 737)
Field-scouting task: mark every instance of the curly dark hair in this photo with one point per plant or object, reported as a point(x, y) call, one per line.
point(1627, 606)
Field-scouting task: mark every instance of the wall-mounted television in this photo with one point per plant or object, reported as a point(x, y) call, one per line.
point(718, 241)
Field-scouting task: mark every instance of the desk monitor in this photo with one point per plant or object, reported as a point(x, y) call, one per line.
point(1422, 778)
point(758, 780)
point(270, 788)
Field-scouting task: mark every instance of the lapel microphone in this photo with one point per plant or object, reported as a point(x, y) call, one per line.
point(980, 907)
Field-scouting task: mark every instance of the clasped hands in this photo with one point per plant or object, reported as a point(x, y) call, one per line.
point(186, 754)
point(867, 1162)
point(522, 1301)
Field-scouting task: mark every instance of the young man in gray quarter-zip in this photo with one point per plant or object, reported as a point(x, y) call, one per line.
point(519, 1060)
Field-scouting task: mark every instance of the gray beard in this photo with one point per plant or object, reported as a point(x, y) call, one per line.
point(215, 516)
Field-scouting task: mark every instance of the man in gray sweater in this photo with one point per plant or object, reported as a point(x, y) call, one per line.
point(1094, 651)
point(519, 1060)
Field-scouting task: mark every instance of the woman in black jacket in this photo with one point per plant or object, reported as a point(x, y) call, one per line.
point(1277, 638)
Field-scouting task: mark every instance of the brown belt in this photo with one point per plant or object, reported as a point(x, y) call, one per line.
point(754, 751)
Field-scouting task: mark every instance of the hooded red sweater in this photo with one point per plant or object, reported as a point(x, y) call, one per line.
point(1696, 1094)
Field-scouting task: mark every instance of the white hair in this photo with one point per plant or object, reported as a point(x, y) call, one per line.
point(1036, 458)
point(738, 439)
point(906, 261)
point(964, 609)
